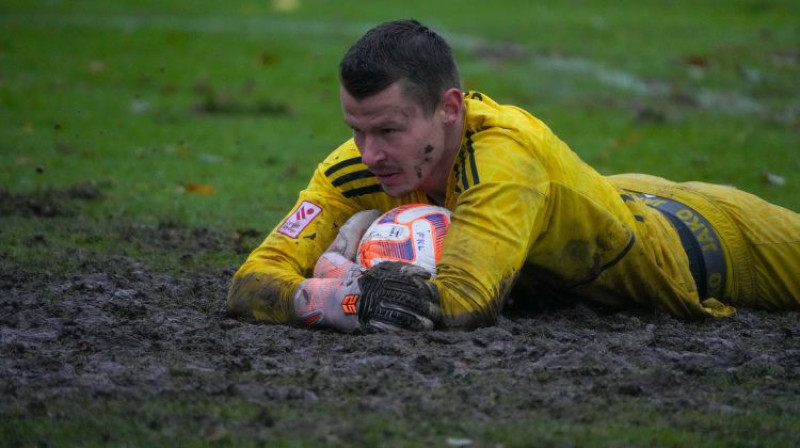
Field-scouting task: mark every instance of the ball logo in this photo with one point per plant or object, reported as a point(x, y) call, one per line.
point(412, 233)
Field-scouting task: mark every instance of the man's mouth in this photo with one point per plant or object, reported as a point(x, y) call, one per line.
point(386, 176)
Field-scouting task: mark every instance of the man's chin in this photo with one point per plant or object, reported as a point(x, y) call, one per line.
point(394, 191)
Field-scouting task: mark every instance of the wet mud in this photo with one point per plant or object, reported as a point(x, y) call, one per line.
point(120, 330)
point(116, 329)
point(48, 203)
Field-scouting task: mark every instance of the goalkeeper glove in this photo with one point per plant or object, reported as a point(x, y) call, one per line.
point(388, 297)
point(340, 257)
point(343, 296)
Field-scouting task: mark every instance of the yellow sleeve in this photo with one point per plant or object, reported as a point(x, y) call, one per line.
point(500, 188)
point(263, 287)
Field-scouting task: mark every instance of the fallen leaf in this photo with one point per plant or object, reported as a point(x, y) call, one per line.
point(698, 61)
point(268, 59)
point(198, 188)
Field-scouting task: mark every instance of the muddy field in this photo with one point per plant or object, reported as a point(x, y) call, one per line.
point(117, 330)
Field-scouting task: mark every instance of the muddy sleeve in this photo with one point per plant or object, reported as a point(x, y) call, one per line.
point(263, 287)
point(491, 232)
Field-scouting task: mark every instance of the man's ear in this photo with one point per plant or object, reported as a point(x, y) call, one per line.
point(452, 102)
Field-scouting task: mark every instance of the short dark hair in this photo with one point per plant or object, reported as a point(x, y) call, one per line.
point(402, 50)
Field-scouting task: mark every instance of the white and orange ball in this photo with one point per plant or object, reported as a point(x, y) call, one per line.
point(411, 233)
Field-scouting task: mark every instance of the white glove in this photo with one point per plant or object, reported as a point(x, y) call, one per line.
point(346, 297)
point(329, 302)
point(390, 296)
point(320, 301)
point(341, 254)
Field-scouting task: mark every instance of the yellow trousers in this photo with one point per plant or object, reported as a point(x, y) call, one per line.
point(761, 241)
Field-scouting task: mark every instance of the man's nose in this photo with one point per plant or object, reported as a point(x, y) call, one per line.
point(371, 151)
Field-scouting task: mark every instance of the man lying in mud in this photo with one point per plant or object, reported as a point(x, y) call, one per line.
point(524, 206)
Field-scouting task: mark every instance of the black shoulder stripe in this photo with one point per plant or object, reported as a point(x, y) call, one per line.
point(456, 175)
point(464, 180)
point(472, 165)
point(343, 164)
point(467, 156)
point(461, 165)
point(362, 191)
point(341, 180)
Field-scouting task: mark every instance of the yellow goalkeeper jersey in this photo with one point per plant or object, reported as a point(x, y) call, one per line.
point(522, 204)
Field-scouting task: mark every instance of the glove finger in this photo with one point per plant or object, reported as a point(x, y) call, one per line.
point(395, 268)
point(346, 242)
point(405, 286)
point(332, 264)
point(415, 321)
point(416, 309)
point(423, 300)
point(414, 271)
point(378, 326)
point(397, 317)
point(394, 321)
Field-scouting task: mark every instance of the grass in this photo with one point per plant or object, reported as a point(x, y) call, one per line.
point(155, 99)
point(212, 115)
point(227, 422)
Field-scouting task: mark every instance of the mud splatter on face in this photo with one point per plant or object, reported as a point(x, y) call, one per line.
point(418, 170)
point(427, 151)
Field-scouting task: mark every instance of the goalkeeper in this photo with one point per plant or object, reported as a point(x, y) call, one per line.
point(525, 210)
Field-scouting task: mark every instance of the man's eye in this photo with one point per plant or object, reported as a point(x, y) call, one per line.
point(387, 131)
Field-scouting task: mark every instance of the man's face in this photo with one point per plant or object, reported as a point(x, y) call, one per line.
point(402, 146)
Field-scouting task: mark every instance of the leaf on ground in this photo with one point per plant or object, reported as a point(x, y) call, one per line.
point(268, 59)
point(696, 60)
point(198, 188)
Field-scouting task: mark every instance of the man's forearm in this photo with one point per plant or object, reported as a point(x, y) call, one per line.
point(262, 297)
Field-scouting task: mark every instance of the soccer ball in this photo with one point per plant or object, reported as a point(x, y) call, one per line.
point(412, 233)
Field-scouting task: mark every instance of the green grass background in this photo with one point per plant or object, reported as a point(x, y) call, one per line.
point(155, 100)
point(108, 92)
